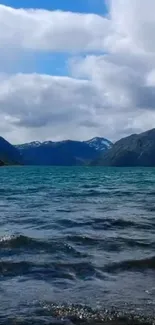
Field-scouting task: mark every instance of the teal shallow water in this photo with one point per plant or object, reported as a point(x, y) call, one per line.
point(77, 244)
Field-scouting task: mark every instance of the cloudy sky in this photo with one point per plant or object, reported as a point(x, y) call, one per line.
point(76, 69)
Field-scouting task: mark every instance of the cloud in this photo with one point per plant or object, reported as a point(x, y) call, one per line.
point(111, 94)
point(129, 26)
point(134, 24)
point(47, 107)
point(37, 102)
point(124, 81)
point(43, 30)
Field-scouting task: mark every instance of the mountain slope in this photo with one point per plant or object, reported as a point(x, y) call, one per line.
point(135, 150)
point(63, 153)
point(9, 155)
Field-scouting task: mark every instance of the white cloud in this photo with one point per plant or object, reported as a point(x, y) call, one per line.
point(108, 95)
point(129, 26)
point(51, 30)
point(134, 23)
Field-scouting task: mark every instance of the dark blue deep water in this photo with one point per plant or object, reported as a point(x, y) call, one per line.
point(77, 245)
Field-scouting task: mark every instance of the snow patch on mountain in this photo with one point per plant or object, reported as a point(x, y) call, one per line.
point(32, 144)
point(100, 144)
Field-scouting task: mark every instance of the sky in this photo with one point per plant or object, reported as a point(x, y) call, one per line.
point(76, 69)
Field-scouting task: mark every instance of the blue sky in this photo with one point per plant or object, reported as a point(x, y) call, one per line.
point(94, 6)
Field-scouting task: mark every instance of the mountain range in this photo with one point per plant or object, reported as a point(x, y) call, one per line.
point(131, 151)
point(62, 153)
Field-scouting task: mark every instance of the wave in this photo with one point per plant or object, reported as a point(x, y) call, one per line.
point(20, 241)
point(51, 321)
point(110, 244)
point(113, 223)
point(55, 314)
point(69, 246)
point(67, 223)
point(98, 223)
point(9, 268)
point(131, 265)
point(85, 194)
point(14, 241)
point(92, 192)
point(104, 223)
point(50, 270)
point(81, 314)
point(23, 244)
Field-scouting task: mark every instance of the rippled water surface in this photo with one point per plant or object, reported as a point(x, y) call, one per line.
point(77, 245)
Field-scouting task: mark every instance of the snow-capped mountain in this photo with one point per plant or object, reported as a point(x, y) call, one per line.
point(100, 144)
point(97, 143)
point(32, 144)
point(62, 153)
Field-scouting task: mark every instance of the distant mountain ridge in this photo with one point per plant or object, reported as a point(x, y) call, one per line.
point(62, 153)
point(134, 150)
point(97, 143)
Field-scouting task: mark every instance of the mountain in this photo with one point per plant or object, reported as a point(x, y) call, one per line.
point(62, 153)
point(100, 144)
point(9, 155)
point(28, 145)
point(134, 150)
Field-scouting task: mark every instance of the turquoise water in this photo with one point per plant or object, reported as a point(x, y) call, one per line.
point(77, 245)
